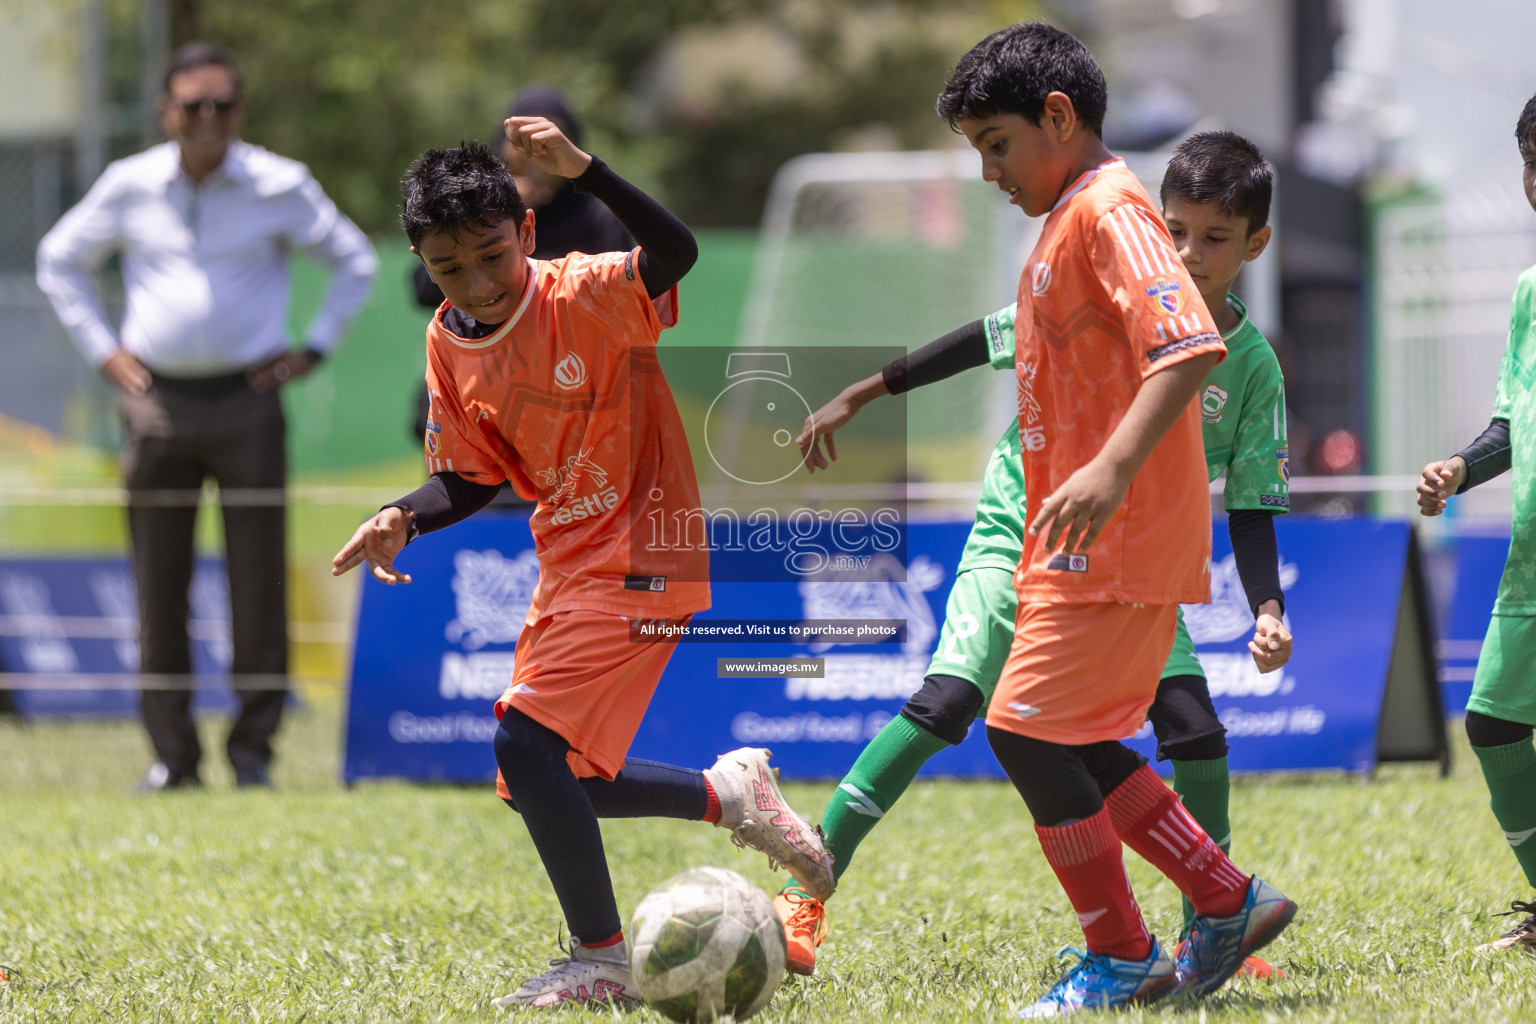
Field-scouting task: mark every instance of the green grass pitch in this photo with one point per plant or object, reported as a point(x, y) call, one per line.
point(401, 903)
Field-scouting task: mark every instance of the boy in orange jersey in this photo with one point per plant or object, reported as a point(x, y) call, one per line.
point(1112, 342)
point(544, 373)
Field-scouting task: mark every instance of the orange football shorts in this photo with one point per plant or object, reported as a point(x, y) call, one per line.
point(578, 674)
point(1082, 673)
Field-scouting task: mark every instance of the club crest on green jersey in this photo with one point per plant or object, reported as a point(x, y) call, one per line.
point(1283, 463)
point(1167, 295)
point(1212, 401)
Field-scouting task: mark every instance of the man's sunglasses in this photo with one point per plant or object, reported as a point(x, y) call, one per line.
point(195, 108)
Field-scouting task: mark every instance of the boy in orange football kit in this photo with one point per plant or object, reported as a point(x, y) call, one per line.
point(1112, 343)
point(544, 373)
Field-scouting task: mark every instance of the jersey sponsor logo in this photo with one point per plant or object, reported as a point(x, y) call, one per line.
point(586, 507)
point(1023, 710)
point(653, 584)
point(570, 372)
point(1212, 401)
point(1068, 563)
point(434, 437)
point(567, 477)
point(1040, 279)
point(1031, 433)
point(1167, 295)
point(1283, 463)
point(491, 596)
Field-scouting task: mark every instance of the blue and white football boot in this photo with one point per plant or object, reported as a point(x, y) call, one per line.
point(1101, 982)
point(1217, 946)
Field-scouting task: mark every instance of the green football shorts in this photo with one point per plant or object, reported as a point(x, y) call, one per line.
point(978, 629)
point(978, 633)
point(1182, 660)
point(1505, 684)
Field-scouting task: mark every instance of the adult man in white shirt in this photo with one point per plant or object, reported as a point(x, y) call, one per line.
point(203, 224)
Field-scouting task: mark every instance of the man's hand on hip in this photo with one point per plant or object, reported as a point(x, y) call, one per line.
point(124, 370)
point(289, 366)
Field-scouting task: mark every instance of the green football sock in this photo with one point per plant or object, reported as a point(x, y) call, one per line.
point(872, 786)
point(1203, 787)
point(1510, 772)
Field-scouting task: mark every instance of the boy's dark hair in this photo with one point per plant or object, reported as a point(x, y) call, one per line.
point(1225, 169)
point(1525, 126)
point(1013, 70)
point(453, 189)
point(201, 55)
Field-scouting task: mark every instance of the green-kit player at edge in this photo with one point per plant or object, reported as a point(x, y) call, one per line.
point(1502, 709)
point(1216, 197)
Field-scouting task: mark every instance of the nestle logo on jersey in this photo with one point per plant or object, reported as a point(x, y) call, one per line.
point(1068, 563)
point(585, 507)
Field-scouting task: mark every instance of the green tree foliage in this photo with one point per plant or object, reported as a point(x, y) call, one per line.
point(357, 90)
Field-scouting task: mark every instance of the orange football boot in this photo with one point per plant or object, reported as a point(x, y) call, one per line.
point(805, 925)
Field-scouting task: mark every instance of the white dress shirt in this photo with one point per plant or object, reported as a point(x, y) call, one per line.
point(204, 264)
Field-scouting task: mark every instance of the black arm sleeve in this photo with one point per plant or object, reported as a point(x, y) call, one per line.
point(1486, 457)
point(445, 499)
point(667, 247)
point(943, 357)
point(1257, 555)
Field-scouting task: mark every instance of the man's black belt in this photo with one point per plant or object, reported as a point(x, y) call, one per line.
point(217, 386)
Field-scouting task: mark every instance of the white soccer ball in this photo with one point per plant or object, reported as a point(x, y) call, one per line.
point(706, 944)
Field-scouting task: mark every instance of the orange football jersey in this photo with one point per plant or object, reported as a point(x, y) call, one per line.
point(567, 400)
point(1104, 303)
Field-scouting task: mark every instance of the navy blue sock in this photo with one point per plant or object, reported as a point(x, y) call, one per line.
point(561, 812)
point(561, 822)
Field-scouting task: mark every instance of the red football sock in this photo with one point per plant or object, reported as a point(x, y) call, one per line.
point(1148, 817)
point(613, 940)
point(711, 803)
point(1086, 858)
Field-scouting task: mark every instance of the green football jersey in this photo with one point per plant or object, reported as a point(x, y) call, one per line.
point(1242, 407)
point(1242, 411)
point(997, 539)
point(1515, 401)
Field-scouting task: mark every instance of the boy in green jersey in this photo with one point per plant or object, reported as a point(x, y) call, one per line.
point(1216, 197)
point(1502, 709)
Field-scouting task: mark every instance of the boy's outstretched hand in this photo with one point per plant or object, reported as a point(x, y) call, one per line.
point(821, 424)
point(1271, 643)
point(546, 145)
point(376, 543)
point(1438, 482)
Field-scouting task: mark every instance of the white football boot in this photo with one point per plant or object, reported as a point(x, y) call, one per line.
point(756, 814)
point(586, 976)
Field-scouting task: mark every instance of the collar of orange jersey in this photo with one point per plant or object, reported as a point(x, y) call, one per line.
point(504, 329)
point(1083, 180)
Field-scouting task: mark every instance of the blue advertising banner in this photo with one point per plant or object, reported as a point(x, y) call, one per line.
point(431, 657)
point(1479, 564)
point(71, 621)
